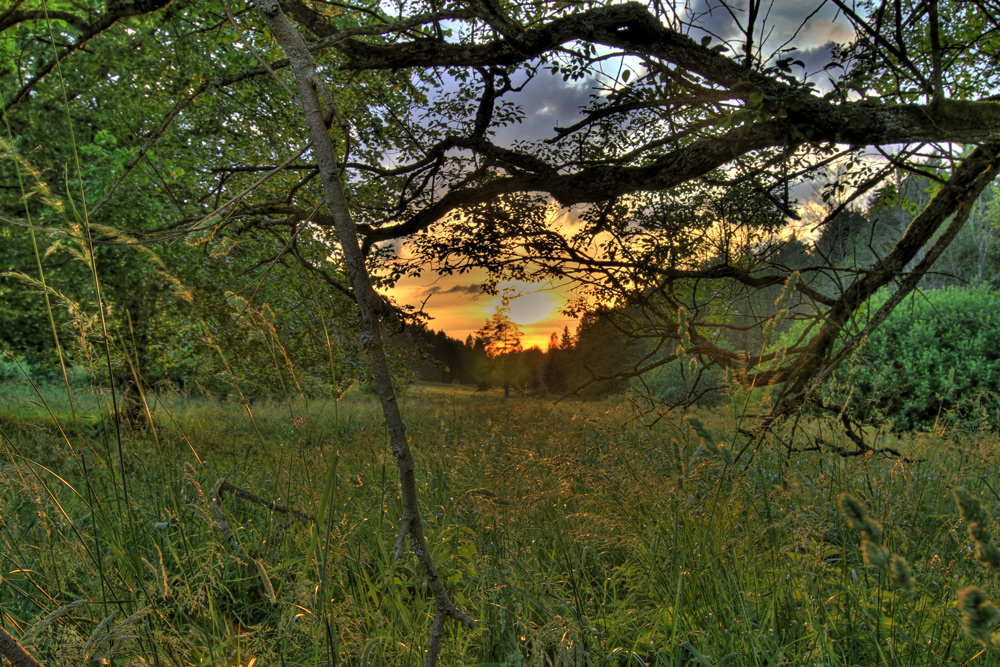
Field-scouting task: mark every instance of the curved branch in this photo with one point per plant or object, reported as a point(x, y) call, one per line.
point(854, 124)
point(15, 17)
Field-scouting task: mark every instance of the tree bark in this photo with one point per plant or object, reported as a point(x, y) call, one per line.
point(13, 651)
point(371, 308)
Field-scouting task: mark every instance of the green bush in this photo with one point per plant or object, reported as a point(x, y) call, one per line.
point(936, 357)
point(674, 384)
point(10, 369)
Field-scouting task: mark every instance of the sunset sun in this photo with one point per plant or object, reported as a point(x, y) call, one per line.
point(531, 308)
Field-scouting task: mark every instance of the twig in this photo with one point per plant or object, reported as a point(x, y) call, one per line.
point(222, 486)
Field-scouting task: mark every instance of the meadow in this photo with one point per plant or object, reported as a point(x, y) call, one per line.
point(576, 533)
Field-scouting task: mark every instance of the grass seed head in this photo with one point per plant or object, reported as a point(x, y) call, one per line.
point(979, 615)
point(969, 508)
point(901, 573)
point(682, 328)
point(875, 556)
point(988, 555)
point(852, 509)
point(858, 519)
point(978, 532)
point(972, 512)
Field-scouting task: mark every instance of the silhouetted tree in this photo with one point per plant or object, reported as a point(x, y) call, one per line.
point(502, 340)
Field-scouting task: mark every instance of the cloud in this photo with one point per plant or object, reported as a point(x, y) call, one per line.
point(476, 290)
point(547, 102)
point(809, 27)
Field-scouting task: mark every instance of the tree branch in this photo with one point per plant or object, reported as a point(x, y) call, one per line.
point(13, 651)
point(89, 32)
point(371, 307)
point(855, 124)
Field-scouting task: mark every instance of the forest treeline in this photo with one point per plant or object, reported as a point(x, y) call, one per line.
point(583, 362)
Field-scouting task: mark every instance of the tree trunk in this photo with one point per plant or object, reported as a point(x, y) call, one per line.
point(13, 651)
point(370, 306)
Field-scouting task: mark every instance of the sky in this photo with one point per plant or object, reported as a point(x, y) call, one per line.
point(459, 307)
point(457, 304)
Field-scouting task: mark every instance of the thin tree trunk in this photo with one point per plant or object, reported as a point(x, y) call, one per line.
point(13, 651)
point(313, 95)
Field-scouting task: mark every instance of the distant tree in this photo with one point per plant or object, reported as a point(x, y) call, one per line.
point(531, 368)
point(553, 342)
point(502, 339)
point(500, 334)
point(555, 372)
point(566, 339)
point(604, 352)
point(861, 234)
point(972, 257)
point(843, 236)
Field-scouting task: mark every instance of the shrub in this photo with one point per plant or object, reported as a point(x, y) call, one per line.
point(11, 369)
point(937, 356)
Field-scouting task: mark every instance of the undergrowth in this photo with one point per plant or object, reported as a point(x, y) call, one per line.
point(574, 533)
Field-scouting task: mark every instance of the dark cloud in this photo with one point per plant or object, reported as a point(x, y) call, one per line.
point(547, 102)
point(817, 61)
point(808, 27)
point(475, 291)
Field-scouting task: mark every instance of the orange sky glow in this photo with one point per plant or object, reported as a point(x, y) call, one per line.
point(459, 307)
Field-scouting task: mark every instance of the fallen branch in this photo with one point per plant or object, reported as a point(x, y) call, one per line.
point(223, 486)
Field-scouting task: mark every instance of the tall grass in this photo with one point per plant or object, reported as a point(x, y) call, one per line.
point(574, 532)
point(576, 535)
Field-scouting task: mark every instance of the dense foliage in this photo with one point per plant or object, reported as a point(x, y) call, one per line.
point(936, 360)
point(155, 124)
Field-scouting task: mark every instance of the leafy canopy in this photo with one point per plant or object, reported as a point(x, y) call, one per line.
point(170, 124)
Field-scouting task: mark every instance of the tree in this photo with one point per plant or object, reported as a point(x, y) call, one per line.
point(602, 351)
point(645, 169)
point(692, 143)
point(502, 339)
point(555, 371)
